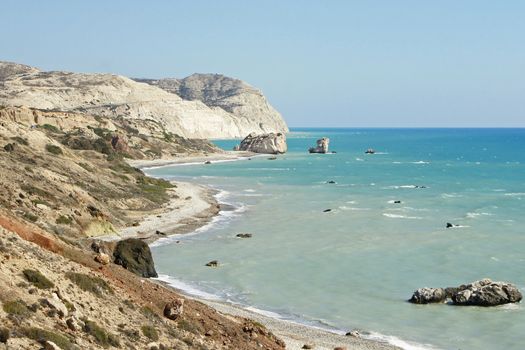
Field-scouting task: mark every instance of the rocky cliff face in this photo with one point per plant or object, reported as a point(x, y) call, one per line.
point(139, 103)
point(252, 111)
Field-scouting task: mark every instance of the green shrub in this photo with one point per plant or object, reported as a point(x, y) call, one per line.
point(20, 140)
point(37, 279)
point(17, 308)
point(30, 216)
point(54, 149)
point(51, 128)
point(150, 332)
point(90, 284)
point(64, 220)
point(101, 336)
point(41, 335)
point(189, 326)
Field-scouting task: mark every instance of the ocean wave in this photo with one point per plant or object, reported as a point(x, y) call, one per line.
point(515, 194)
point(360, 159)
point(250, 190)
point(477, 215)
point(403, 344)
point(396, 187)
point(187, 288)
point(420, 162)
point(344, 207)
point(397, 216)
point(451, 195)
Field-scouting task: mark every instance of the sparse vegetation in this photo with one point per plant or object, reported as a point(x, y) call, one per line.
point(64, 220)
point(101, 336)
point(36, 191)
point(17, 308)
point(41, 335)
point(189, 326)
point(54, 149)
point(38, 279)
point(154, 189)
point(90, 284)
point(150, 332)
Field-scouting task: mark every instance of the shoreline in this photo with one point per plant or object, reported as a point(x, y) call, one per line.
point(293, 333)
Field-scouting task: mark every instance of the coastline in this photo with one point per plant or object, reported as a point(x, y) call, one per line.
point(184, 216)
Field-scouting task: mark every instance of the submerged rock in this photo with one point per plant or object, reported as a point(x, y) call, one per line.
point(428, 295)
point(213, 263)
point(244, 235)
point(135, 256)
point(327, 210)
point(322, 146)
point(272, 143)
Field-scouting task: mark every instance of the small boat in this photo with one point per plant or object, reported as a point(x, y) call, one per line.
point(370, 151)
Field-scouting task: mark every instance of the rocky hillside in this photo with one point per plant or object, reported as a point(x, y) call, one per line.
point(66, 172)
point(229, 94)
point(218, 107)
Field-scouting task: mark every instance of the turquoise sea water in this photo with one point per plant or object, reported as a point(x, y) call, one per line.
point(356, 266)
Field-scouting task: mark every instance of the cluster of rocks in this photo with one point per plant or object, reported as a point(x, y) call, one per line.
point(272, 143)
point(484, 292)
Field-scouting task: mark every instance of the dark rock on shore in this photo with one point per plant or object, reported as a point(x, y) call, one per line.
point(484, 292)
point(134, 255)
point(244, 235)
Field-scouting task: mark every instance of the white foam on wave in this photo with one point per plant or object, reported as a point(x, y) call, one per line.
point(451, 195)
point(249, 190)
point(397, 216)
point(420, 162)
point(344, 207)
point(360, 159)
point(187, 288)
point(396, 187)
point(515, 194)
point(403, 344)
point(477, 215)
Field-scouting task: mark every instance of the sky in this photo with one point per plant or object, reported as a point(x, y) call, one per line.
point(372, 63)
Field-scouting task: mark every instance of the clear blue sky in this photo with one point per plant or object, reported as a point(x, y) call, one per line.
point(321, 63)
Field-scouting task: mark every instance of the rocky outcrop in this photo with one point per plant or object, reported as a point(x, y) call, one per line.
point(248, 104)
point(484, 292)
point(174, 309)
point(267, 143)
point(322, 146)
point(135, 256)
point(143, 106)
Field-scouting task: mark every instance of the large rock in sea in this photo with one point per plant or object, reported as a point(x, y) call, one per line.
point(135, 256)
point(487, 293)
point(267, 143)
point(322, 146)
point(480, 293)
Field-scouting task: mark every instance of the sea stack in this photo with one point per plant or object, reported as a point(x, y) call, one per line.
point(322, 146)
point(272, 143)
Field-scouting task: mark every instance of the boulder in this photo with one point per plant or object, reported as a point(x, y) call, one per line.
point(244, 235)
point(272, 143)
point(10, 147)
point(174, 309)
point(322, 146)
point(487, 293)
point(102, 258)
point(55, 303)
point(428, 295)
point(213, 263)
point(135, 256)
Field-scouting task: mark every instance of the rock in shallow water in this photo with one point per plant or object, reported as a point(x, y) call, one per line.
point(484, 292)
point(322, 146)
point(428, 295)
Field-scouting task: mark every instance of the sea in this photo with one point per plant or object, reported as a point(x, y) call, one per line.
point(355, 266)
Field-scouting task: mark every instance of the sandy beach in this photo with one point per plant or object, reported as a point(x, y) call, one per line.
point(194, 206)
